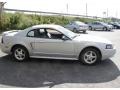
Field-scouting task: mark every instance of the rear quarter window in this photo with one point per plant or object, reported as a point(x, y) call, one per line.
point(31, 33)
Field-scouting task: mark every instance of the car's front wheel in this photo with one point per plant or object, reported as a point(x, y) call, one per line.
point(105, 28)
point(84, 31)
point(90, 56)
point(75, 30)
point(20, 53)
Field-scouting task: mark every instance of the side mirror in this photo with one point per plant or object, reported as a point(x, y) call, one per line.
point(64, 38)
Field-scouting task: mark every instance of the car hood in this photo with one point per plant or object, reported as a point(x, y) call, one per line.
point(91, 38)
point(109, 25)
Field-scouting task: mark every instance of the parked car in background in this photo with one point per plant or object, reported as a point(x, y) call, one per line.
point(77, 26)
point(99, 26)
point(116, 25)
point(56, 42)
point(111, 23)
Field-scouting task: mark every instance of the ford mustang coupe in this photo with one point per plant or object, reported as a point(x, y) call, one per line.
point(56, 42)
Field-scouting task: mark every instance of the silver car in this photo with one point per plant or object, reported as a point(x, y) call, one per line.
point(56, 42)
point(77, 26)
point(99, 26)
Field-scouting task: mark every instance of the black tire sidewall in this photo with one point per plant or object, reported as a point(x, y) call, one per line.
point(75, 30)
point(105, 28)
point(84, 31)
point(90, 28)
point(81, 57)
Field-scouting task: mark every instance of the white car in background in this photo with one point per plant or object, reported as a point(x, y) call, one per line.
point(56, 42)
point(77, 26)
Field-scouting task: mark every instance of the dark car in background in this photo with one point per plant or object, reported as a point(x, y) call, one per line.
point(115, 25)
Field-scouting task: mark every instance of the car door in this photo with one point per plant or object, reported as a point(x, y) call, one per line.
point(100, 26)
point(97, 25)
point(52, 47)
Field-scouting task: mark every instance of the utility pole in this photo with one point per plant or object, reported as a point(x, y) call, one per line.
point(1, 12)
point(67, 7)
point(104, 14)
point(107, 12)
point(116, 14)
point(86, 9)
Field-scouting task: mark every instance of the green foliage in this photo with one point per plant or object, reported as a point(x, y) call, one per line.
point(22, 21)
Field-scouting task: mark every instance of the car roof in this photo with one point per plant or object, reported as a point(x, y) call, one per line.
point(46, 26)
point(57, 27)
point(52, 26)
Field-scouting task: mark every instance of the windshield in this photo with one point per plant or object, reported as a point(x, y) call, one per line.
point(80, 23)
point(67, 32)
point(116, 23)
point(104, 23)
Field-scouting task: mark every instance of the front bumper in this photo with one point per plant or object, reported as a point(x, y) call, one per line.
point(107, 53)
point(110, 28)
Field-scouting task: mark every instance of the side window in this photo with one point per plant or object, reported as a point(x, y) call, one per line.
point(54, 34)
point(98, 23)
point(95, 23)
point(41, 33)
point(38, 33)
point(31, 34)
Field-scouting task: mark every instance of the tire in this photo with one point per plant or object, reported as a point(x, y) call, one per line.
point(90, 28)
point(88, 58)
point(20, 53)
point(75, 30)
point(84, 31)
point(105, 29)
point(115, 27)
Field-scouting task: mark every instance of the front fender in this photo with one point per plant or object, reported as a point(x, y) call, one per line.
point(82, 45)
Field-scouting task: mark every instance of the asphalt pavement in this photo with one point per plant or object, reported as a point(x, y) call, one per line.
point(62, 73)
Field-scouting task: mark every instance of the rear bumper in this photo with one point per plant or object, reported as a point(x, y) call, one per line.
point(83, 29)
point(4, 48)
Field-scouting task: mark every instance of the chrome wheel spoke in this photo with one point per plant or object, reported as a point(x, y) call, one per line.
point(91, 53)
point(19, 54)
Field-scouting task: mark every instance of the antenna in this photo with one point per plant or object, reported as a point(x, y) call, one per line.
point(86, 9)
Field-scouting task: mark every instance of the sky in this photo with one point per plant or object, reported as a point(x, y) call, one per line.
point(94, 7)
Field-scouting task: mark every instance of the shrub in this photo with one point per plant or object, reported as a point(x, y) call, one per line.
point(21, 21)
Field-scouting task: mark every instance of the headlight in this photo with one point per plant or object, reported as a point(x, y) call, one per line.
point(109, 46)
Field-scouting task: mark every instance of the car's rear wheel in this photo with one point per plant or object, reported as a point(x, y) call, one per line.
point(84, 31)
point(90, 56)
point(90, 28)
point(20, 53)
